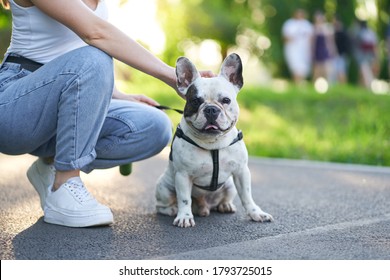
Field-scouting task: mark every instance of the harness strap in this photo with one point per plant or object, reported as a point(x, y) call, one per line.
point(214, 154)
point(179, 133)
point(214, 180)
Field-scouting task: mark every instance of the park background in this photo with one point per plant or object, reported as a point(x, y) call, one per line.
point(339, 123)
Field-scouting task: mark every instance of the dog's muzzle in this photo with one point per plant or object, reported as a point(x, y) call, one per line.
point(211, 113)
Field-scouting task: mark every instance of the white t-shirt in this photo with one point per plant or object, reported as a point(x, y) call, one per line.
point(39, 37)
point(298, 33)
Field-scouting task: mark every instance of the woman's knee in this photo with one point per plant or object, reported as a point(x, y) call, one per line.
point(92, 55)
point(95, 66)
point(133, 131)
point(162, 130)
point(155, 130)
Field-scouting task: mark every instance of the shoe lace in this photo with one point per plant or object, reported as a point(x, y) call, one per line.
point(79, 192)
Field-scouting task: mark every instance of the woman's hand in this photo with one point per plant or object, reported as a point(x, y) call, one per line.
point(203, 74)
point(134, 98)
point(207, 74)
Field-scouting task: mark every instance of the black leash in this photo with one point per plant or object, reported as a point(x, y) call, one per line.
point(162, 107)
point(126, 169)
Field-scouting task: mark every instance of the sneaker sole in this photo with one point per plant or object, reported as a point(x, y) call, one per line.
point(57, 218)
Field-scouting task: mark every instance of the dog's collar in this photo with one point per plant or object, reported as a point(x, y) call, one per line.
point(214, 154)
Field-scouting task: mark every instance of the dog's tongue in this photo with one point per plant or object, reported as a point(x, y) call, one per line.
point(211, 127)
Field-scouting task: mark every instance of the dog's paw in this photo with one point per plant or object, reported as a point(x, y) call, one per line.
point(170, 211)
point(258, 215)
point(184, 220)
point(204, 211)
point(227, 207)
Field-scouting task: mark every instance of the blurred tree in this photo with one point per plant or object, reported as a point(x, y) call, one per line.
point(383, 7)
point(252, 24)
point(5, 30)
point(219, 20)
point(383, 22)
point(174, 20)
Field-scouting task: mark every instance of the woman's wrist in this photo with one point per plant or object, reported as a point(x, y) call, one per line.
point(169, 77)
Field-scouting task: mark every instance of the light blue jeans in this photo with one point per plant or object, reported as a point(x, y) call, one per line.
point(65, 110)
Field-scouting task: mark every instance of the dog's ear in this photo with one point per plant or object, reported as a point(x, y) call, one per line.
point(231, 70)
point(186, 74)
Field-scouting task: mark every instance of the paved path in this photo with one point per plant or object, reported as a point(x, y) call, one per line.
point(321, 211)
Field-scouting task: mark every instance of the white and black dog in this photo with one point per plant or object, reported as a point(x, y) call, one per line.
point(208, 159)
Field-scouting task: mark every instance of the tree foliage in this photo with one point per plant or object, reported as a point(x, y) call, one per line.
point(254, 25)
point(241, 22)
point(5, 30)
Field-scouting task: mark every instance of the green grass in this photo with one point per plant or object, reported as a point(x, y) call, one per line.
point(344, 125)
point(347, 124)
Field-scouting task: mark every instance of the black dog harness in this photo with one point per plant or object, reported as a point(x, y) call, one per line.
point(214, 154)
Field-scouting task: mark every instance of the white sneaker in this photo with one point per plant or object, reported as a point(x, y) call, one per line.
point(41, 176)
point(73, 206)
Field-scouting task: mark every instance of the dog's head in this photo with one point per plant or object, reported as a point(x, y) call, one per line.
point(211, 103)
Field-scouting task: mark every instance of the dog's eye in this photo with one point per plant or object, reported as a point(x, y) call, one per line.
point(196, 102)
point(226, 100)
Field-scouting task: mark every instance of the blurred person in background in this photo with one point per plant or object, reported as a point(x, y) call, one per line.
point(343, 51)
point(297, 32)
point(366, 53)
point(387, 42)
point(323, 47)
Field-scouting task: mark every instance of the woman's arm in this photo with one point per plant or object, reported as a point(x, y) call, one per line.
point(101, 34)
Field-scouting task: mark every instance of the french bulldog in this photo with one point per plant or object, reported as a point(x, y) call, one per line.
point(208, 161)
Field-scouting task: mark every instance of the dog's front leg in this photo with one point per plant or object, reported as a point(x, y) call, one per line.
point(183, 186)
point(242, 180)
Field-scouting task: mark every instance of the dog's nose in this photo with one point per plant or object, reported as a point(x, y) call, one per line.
point(211, 112)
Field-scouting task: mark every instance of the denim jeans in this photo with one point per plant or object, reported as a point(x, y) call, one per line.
point(65, 110)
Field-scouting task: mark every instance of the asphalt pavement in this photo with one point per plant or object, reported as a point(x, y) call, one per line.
point(322, 211)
